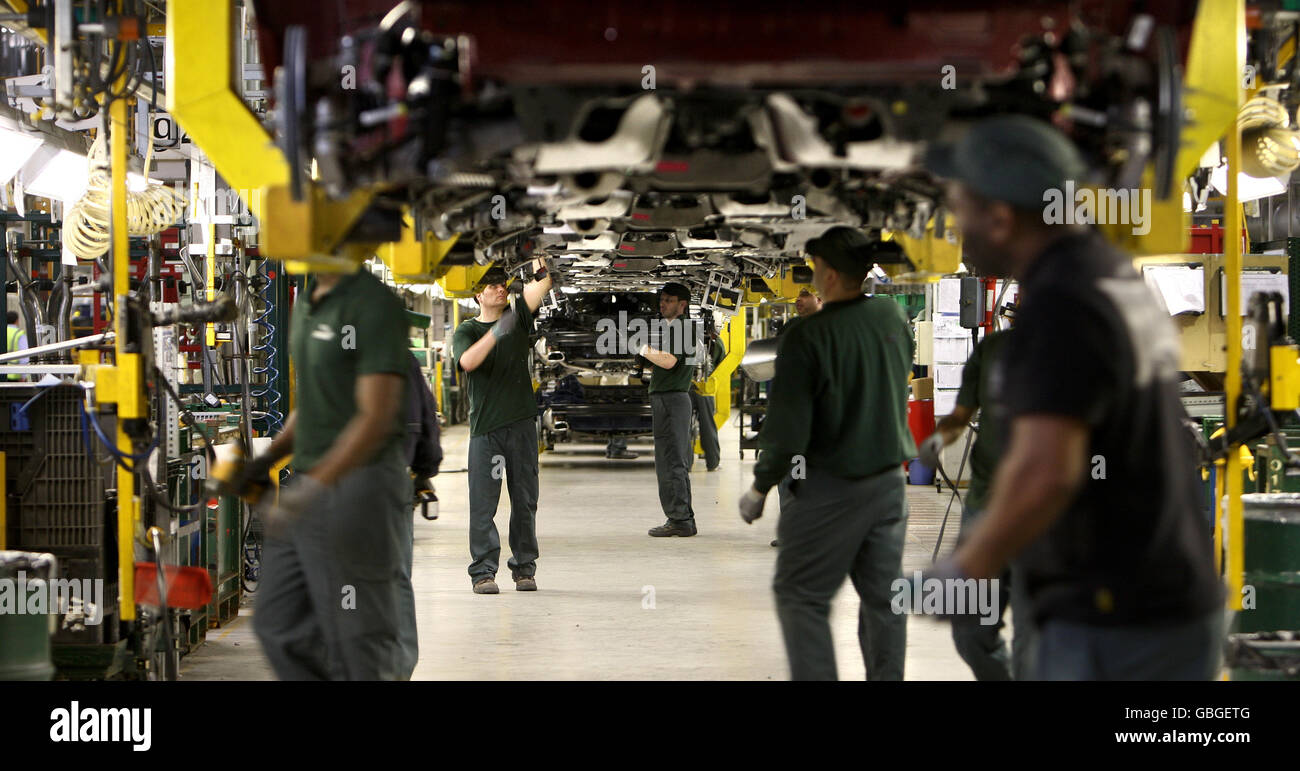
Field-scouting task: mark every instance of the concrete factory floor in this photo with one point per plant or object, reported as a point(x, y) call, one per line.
point(612, 602)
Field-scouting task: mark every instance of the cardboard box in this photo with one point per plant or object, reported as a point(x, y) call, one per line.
point(923, 388)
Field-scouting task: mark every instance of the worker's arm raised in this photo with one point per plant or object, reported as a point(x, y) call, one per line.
point(535, 291)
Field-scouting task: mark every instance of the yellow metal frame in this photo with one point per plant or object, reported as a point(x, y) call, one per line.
point(201, 95)
point(718, 383)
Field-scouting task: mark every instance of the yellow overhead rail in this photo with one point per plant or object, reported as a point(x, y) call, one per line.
point(201, 72)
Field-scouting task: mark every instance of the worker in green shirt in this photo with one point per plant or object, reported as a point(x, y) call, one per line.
point(805, 305)
point(981, 645)
point(492, 351)
point(704, 408)
point(835, 439)
point(335, 600)
point(672, 359)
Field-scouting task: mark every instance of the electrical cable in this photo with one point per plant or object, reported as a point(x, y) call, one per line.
point(87, 228)
point(267, 395)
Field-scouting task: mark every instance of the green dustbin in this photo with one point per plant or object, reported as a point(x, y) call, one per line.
point(25, 637)
point(1271, 525)
point(1263, 656)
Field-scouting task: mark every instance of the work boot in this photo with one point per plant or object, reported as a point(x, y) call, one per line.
point(486, 585)
point(525, 584)
point(682, 527)
point(620, 454)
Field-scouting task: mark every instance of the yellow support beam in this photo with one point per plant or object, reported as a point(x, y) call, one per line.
point(1233, 37)
point(412, 261)
point(127, 389)
point(201, 66)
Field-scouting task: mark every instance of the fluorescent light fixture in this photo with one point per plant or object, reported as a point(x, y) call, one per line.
point(16, 149)
point(1248, 188)
point(58, 174)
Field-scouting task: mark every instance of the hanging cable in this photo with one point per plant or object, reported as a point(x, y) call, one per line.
point(267, 394)
point(151, 211)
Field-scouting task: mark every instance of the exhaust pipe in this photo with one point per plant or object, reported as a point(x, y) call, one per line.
point(592, 184)
point(589, 227)
point(759, 361)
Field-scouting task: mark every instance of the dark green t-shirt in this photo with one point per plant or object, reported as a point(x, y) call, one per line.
point(500, 389)
point(839, 397)
point(359, 328)
point(683, 332)
point(977, 389)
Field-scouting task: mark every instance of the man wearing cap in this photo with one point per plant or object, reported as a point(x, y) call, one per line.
point(335, 600)
point(492, 351)
point(1096, 494)
point(835, 439)
point(672, 359)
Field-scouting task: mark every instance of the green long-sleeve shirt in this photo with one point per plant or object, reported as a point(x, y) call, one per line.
point(839, 398)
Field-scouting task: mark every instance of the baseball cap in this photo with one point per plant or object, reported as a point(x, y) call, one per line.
point(850, 251)
point(1011, 158)
point(676, 290)
point(494, 275)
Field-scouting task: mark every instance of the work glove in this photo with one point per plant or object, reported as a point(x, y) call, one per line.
point(254, 478)
point(751, 505)
point(944, 570)
point(505, 325)
point(929, 450)
point(303, 493)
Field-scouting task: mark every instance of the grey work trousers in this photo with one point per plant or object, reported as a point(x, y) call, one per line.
point(829, 528)
point(704, 409)
point(335, 600)
point(509, 451)
point(981, 645)
point(672, 431)
point(1187, 650)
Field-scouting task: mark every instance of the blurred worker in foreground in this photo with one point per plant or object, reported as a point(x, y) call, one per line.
point(15, 339)
point(672, 366)
point(835, 438)
point(981, 645)
point(335, 600)
point(492, 349)
point(805, 305)
point(1097, 491)
point(704, 408)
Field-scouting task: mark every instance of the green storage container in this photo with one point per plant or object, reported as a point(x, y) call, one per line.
point(1271, 526)
point(1263, 656)
point(25, 637)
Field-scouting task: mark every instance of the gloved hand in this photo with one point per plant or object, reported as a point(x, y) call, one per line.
point(751, 505)
point(913, 592)
point(505, 325)
point(254, 478)
point(552, 273)
point(929, 450)
point(301, 494)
